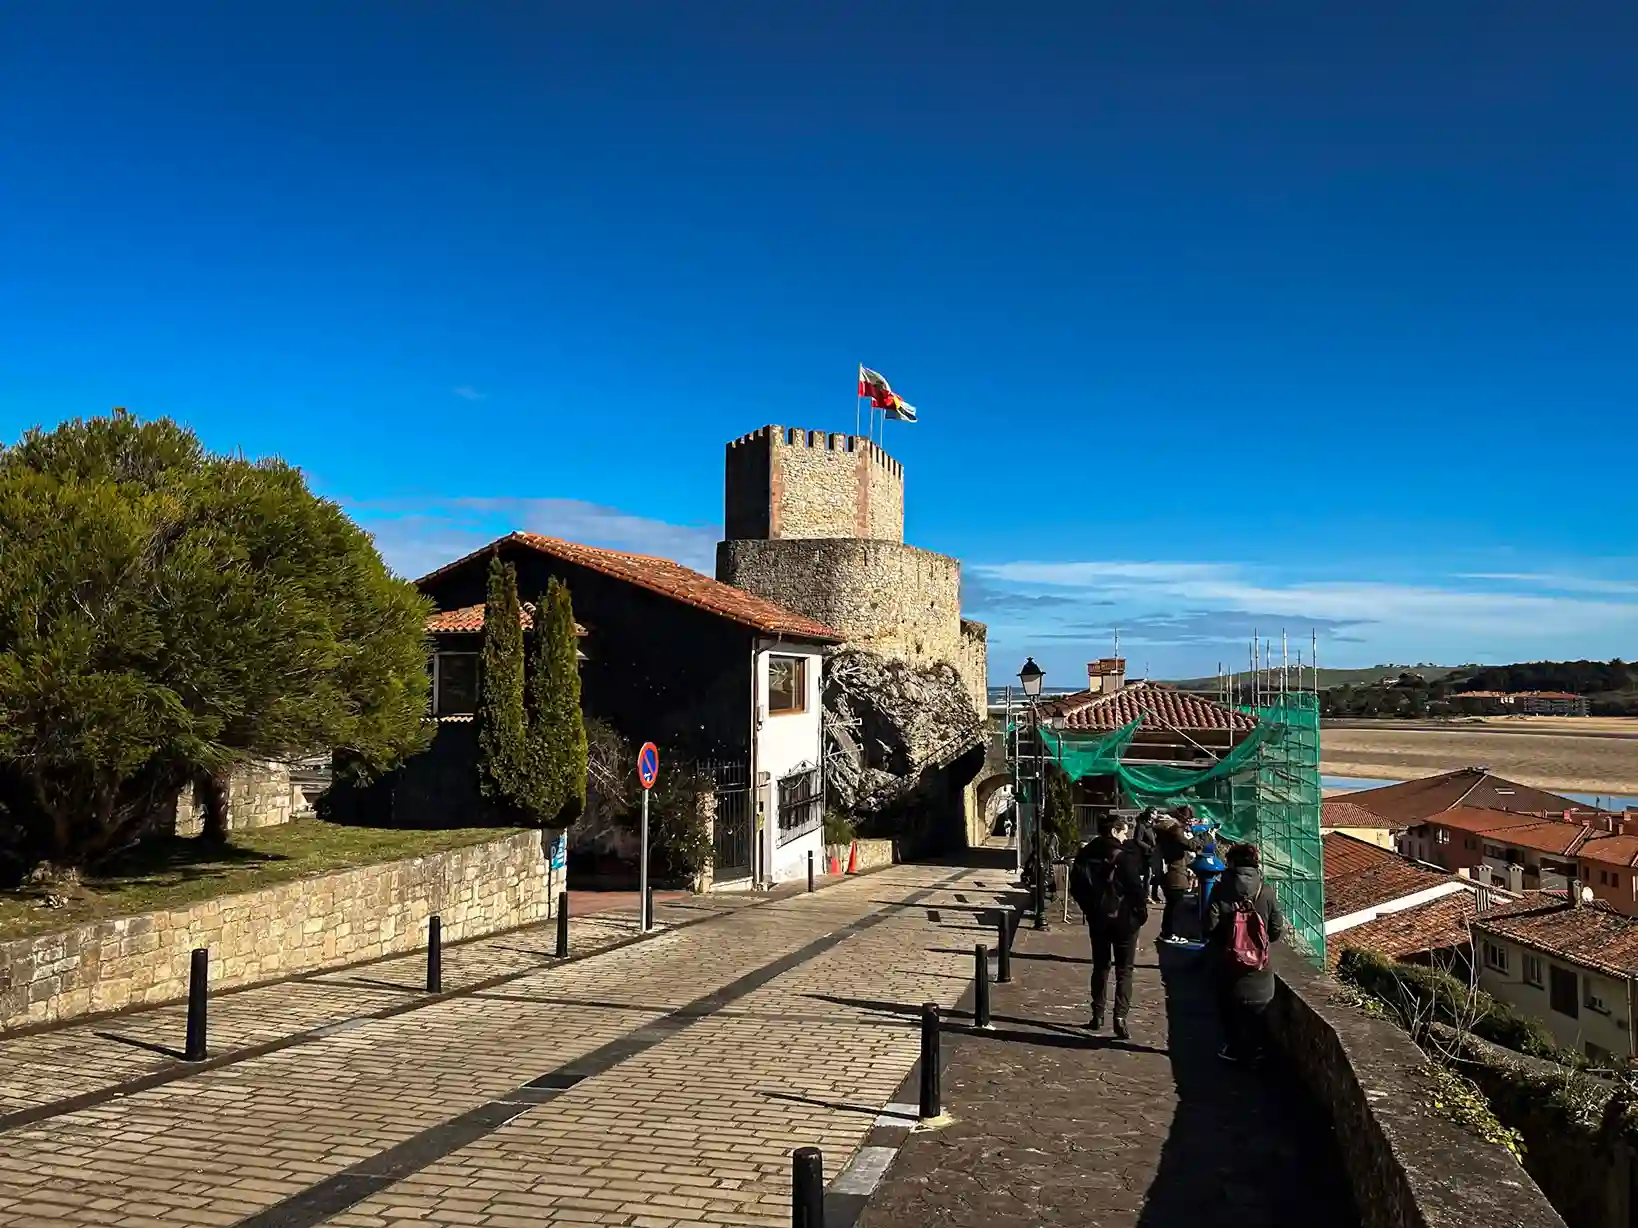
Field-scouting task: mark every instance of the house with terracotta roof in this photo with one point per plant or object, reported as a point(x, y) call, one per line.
point(706, 671)
point(1351, 819)
point(1176, 728)
point(1569, 962)
point(1416, 801)
point(1378, 900)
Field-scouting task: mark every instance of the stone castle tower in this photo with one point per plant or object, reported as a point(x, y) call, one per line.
point(815, 521)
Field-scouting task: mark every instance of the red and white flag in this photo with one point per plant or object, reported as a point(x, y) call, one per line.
point(874, 385)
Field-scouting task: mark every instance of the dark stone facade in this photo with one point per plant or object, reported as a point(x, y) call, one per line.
point(656, 668)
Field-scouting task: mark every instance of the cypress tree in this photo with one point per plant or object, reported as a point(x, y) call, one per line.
point(503, 750)
point(557, 734)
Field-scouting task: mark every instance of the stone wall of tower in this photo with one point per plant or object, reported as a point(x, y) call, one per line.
point(784, 482)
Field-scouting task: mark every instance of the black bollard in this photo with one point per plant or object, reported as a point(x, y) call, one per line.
point(808, 1188)
point(981, 986)
point(563, 925)
point(198, 983)
point(435, 954)
point(648, 910)
point(1003, 951)
point(810, 869)
point(929, 1061)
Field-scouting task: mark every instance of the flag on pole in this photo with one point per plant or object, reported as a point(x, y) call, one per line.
point(874, 385)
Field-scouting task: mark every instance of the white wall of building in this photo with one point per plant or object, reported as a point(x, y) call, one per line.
point(784, 742)
point(1602, 1015)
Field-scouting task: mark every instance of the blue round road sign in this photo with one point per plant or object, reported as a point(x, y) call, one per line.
point(648, 765)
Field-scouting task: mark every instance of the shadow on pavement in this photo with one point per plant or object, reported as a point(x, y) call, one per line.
point(1245, 1146)
point(148, 1045)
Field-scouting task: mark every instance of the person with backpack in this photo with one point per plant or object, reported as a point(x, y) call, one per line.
point(1176, 848)
point(1243, 922)
point(1106, 883)
point(1147, 840)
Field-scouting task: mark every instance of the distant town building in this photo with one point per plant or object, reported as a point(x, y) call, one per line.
point(1570, 963)
point(1530, 703)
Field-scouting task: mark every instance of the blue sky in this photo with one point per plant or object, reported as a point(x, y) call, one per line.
point(1218, 316)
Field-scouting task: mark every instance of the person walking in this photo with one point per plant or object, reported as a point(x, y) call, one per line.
point(1106, 882)
point(1175, 847)
point(1147, 840)
point(1243, 922)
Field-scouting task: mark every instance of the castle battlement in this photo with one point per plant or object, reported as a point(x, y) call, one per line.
point(788, 482)
point(830, 441)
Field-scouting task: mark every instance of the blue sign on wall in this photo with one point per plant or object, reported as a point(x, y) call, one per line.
point(560, 851)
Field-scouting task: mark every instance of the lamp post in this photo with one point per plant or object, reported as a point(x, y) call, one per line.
point(1030, 677)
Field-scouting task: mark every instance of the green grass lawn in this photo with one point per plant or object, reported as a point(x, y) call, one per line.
point(179, 870)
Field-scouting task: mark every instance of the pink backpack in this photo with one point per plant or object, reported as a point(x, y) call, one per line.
point(1248, 937)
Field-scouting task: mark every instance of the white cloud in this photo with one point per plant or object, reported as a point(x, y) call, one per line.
point(468, 393)
point(420, 537)
point(1189, 611)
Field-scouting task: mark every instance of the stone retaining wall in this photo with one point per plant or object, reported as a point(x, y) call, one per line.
point(324, 921)
point(873, 854)
point(1409, 1167)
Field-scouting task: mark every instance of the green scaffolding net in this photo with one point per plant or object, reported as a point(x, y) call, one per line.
point(1265, 790)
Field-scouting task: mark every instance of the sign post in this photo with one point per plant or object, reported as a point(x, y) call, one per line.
point(648, 771)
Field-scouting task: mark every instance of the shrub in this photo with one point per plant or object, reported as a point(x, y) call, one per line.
point(839, 829)
point(166, 613)
point(503, 750)
point(557, 730)
point(1419, 996)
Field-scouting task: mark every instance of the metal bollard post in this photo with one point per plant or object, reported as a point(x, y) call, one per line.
point(981, 986)
point(563, 925)
point(648, 910)
point(929, 1061)
point(810, 869)
point(435, 954)
point(198, 984)
point(1003, 951)
point(808, 1188)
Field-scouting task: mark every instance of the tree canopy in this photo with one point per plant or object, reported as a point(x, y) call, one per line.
point(166, 612)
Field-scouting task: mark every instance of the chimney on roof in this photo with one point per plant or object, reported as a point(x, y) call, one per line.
point(1515, 878)
point(1485, 872)
point(1106, 675)
point(1482, 902)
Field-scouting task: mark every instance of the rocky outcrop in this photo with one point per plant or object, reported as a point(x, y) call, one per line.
point(891, 727)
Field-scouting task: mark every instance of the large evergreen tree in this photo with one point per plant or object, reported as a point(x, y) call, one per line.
point(166, 613)
point(503, 749)
point(557, 733)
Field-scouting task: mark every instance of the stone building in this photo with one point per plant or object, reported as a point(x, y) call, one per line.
point(815, 522)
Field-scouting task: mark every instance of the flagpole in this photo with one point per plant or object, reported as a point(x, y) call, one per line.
point(858, 401)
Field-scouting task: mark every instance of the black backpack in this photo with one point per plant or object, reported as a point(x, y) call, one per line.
point(1095, 887)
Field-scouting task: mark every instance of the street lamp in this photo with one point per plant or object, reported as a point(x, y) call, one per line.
point(1030, 677)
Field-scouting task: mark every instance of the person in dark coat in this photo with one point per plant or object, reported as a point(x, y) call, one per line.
point(1243, 994)
point(1175, 848)
point(1147, 840)
point(1107, 882)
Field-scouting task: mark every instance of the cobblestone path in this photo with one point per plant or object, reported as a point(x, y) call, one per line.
point(660, 1082)
point(1056, 1127)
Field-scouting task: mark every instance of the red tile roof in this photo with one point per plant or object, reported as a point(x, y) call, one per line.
point(1349, 855)
point(1473, 819)
point(1339, 812)
point(1590, 934)
point(1437, 925)
point(1159, 706)
point(1419, 800)
point(469, 619)
point(1549, 836)
point(668, 579)
point(1366, 889)
point(1610, 850)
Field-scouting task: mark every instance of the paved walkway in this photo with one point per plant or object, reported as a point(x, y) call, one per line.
point(1053, 1126)
point(661, 1082)
point(87, 1060)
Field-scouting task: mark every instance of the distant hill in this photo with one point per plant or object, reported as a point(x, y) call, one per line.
point(1339, 677)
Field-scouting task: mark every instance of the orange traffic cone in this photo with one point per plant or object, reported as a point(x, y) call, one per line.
point(835, 862)
point(853, 858)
